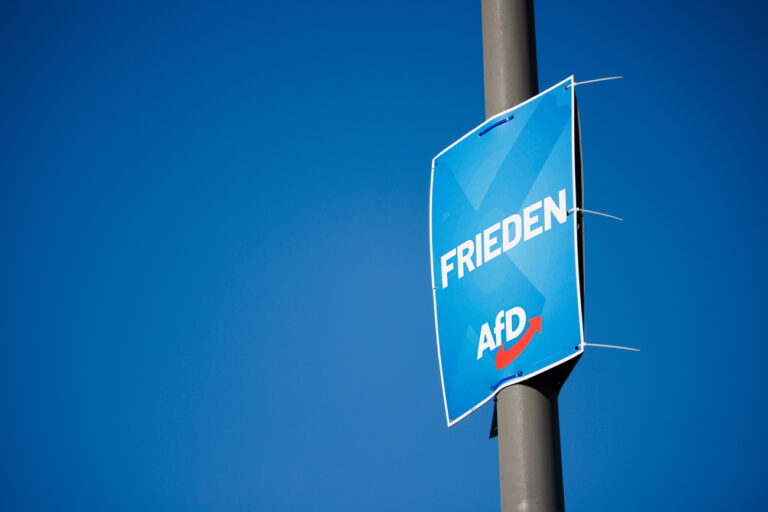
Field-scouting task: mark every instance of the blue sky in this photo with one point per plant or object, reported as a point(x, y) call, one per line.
point(216, 286)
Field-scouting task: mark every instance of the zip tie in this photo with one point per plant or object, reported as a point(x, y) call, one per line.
point(574, 84)
point(494, 125)
point(610, 346)
point(506, 379)
point(596, 213)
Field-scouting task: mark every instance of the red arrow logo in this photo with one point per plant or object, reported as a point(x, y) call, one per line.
point(504, 357)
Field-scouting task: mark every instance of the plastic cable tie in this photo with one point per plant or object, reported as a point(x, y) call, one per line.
point(610, 346)
point(574, 84)
point(494, 125)
point(596, 213)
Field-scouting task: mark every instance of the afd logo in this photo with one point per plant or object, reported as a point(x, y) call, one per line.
point(511, 323)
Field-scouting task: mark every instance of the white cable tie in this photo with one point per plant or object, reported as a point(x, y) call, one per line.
point(610, 346)
point(596, 213)
point(574, 84)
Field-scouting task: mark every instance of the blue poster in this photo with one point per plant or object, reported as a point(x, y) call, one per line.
point(505, 269)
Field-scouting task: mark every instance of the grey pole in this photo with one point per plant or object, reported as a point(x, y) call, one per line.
point(509, 54)
point(530, 468)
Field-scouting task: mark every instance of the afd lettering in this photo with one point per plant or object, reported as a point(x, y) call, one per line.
point(486, 245)
point(490, 338)
point(503, 324)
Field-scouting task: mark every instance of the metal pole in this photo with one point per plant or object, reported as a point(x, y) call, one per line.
point(530, 468)
point(509, 54)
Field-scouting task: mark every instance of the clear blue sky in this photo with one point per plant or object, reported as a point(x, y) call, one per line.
point(215, 279)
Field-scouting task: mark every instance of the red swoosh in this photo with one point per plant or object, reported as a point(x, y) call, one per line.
point(504, 357)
